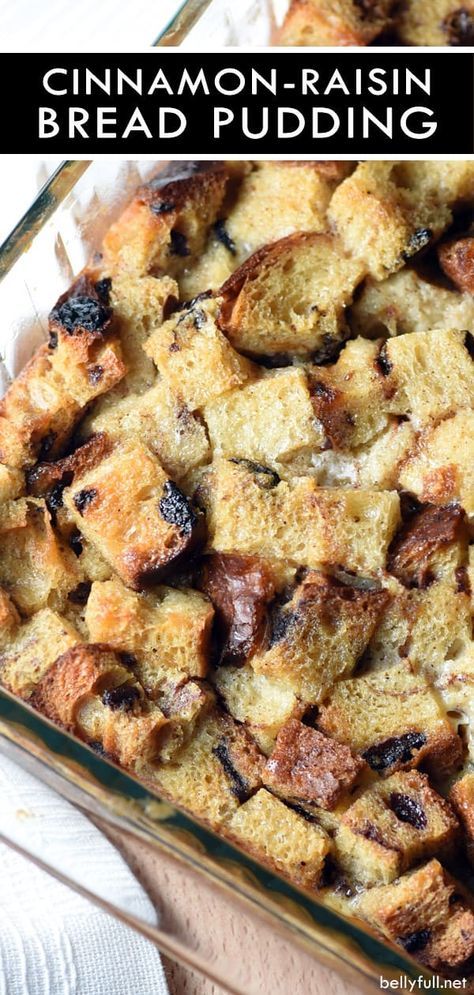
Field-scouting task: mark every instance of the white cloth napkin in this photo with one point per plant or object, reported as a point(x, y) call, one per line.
point(53, 941)
point(62, 25)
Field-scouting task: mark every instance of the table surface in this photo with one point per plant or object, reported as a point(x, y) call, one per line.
point(188, 908)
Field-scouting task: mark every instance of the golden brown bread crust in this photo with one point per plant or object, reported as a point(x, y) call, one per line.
point(80, 671)
point(457, 261)
point(430, 530)
point(240, 588)
point(343, 22)
point(307, 766)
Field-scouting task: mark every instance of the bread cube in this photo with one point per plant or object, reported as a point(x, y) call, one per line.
point(388, 212)
point(439, 469)
point(394, 720)
point(261, 704)
point(377, 464)
point(9, 618)
point(272, 200)
point(213, 772)
point(161, 421)
point(290, 296)
point(12, 483)
point(281, 838)
point(140, 521)
point(392, 826)
point(194, 357)
point(343, 22)
point(462, 799)
point(166, 224)
point(427, 375)
point(456, 258)
point(436, 22)
point(36, 567)
point(409, 302)
point(348, 397)
point(251, 512)
point(307, 766)
point(271, 420)
point(412, 555)
point(139, 306)
point(319, 635)
point(33, 648)
point(167, 630)
point(83, 359)
point(240, 588)
point(90, 692)
point(427, 914)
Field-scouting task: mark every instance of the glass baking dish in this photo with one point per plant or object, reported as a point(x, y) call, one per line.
point(218, 23)
point(49, 245)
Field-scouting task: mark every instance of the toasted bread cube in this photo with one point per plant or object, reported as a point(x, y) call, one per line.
point(413, 553)
point(307, 766)
point(139, 306)
point(462, 800)
point(161, 421)
point(251, 513)
point(270, 421)
point(262, 704)
point(334, 22)
point(281, 838)
point(319, 635)
point(83, 359)
point(426, 913)
point(12, 483)
point(387, 212)
point(408, 302)
point(428, 375)
point(203, 778)
point(290, 296)
point(139, 520)
point(33, 649)
point(273, 199)
point(165, 226)
point(168, 629)
point(36, 568)
point(194, 357)
point(393, 719)
point(436, 22)
point(348, 397)
point(392, 826)
point(456, 258)
point(440, 467)
point(90, 692)
point(240, 588)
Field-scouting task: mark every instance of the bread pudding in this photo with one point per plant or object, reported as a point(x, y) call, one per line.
point(236, 516)
point(378, 22)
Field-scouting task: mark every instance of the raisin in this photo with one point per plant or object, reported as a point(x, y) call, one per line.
point(96, 745)
point(415, 941)
point(463, 583)
point(80, 593)
point(128, 660)
point(223, 236)
point(418, 241)
point(95, 374)
point(46, 446)
point(179, 244)
point(329, 351)
point(459, 27)
point(199, 318)
point(123, 697)
point(408, 810)
point(281, 621)
point(83, 499)
point(103, 288)
point(238, 784)
point(85, 313)
point(393, 751)
point(53, 340)
point(188, 305)
point(164, 207)
point(409, 505)
point(176, 509)
point(75, 542)
point(382, 362)
point(54, 500)
point(268, 478)
point(469, 343)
